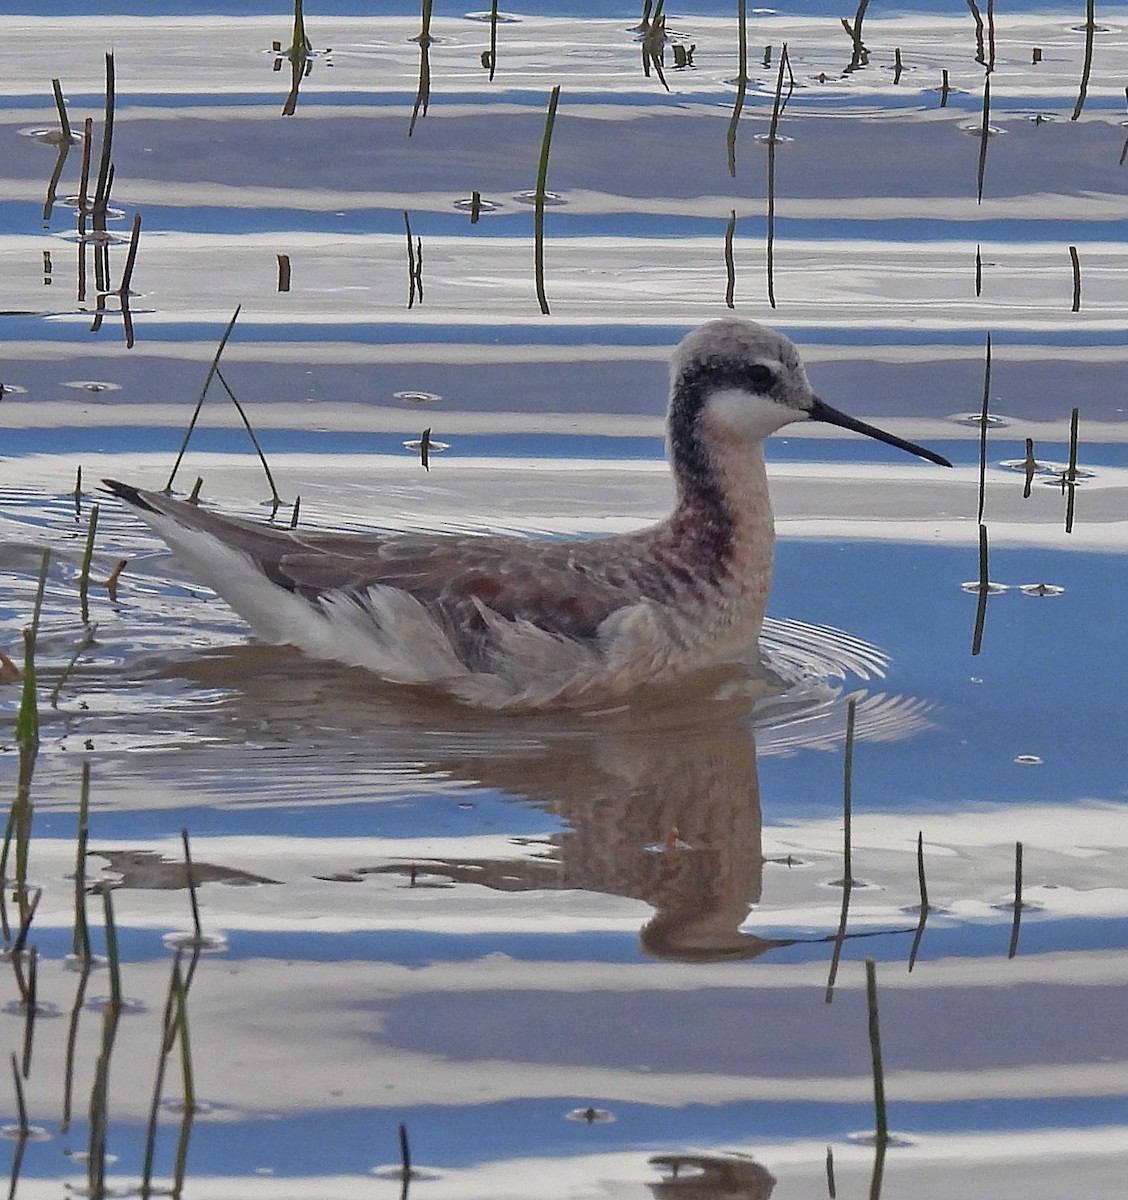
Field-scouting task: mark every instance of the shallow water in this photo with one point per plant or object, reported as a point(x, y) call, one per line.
point(481, 925)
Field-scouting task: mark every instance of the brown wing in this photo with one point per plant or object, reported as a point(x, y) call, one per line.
point(567, 588)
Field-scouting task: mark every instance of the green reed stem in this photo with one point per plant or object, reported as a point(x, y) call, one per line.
point(84, 573)
point(1087, 64)
point(200, 402)
point(538, 216)
point(984, 579)
point(778, 106)
point(493, 38)
point(1071, 470)
point(64, 120)
point(730, 261)
point(190, 875)
point(80, 942)
point(984, 134)
point(113, 958)
point(983, 430)
point(881, 1126)
point(22, 1126)
point(250, 430)
point(847, 794)
point(102, 188)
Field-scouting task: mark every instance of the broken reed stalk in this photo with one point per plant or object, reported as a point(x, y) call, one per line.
point(839, 942)
point(493, 38)
point(945, 88)
point(414, 265)
point(984, 134)
point(425, 449)
point(1087, 64)
point(881, 1128)
point(294, 514)
point(190, 875)
point(778, 106)
point(423, 92)
point(983, 430)
point(539, 198)
point(1071, 470)
point(200, 402)
point(978, 270)
point(276, 499)
point(981, 606)
point(847, 795)
point(64, 120)
point(80, 940)
point(1076, 278)
point(858, 57)
point(741, 82)
point(730, 262)
point(831, 1188)
point(102, 188)
point(84, 572)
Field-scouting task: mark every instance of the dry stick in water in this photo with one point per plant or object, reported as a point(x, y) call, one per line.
point(1076, 278)
point(405, 1153)
point(983, 430)
point(741, 81)
point(425, 449)
point(1012, 949)
point(831, 1189)
point(23, 1128)
point(730, 262)
point(127, 279)
point(981, 607)
point(31, 1008)
point(539, 198)
point(1087, 65)
point(944, 88)
point(64, 120)
point(1030, 466)
point(77, 493)
point(72, 1043)
point(200, 402)
point(978, 270)
point(1071, 471)
point(860, 53)
point(777, 110)
point(847, 795)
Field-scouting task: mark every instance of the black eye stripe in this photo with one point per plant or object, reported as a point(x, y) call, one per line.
point(762, 378)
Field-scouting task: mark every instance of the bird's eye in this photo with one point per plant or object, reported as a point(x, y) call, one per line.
point(761, 378)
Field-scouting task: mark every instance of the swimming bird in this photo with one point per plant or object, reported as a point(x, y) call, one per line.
point(504, 621)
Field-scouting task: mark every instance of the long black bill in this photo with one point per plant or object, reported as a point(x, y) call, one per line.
point(823, 412)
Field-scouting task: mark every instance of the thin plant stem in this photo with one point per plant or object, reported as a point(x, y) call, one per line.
point(741, 82)
point(847, 794)
point(80, 942)
point(190, 875)
point(538, 215)
point(1071, 470)
point(64, 120)
point(1076, 261)
point(983, 430)
point(984, 135)
point(730, 262)
point(84, 573)
point(102, 188)
point(981, 607)
point(1087, 64)
point(777, 111)
point(881, 1129)
point(254, 440)
point(200, 402)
